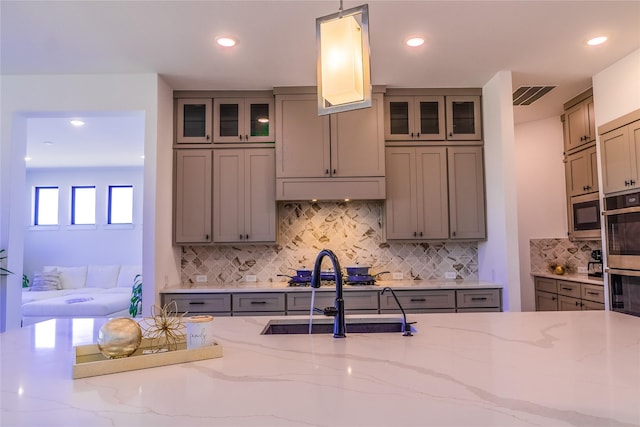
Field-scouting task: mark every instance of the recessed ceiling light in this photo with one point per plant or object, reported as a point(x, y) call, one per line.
point(597, 40)
point(414, 41)
point(77, 123)
point(225, 41)
point(263, 120)
point(26, 159)
point(47, 142)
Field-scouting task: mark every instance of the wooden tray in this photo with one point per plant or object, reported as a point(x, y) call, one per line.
point(89, 362)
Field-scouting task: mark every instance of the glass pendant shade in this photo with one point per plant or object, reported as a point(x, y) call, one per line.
point(344, 81)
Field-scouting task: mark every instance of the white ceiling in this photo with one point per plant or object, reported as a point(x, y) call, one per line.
point(541, 42)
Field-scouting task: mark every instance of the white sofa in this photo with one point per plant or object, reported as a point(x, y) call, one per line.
point(86, 291)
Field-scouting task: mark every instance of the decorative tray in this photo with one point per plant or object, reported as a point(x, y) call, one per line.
point(90, 362)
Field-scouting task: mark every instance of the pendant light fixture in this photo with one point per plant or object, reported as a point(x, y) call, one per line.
point(344, 65)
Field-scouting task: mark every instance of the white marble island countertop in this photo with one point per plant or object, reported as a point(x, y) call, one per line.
point(465, 369)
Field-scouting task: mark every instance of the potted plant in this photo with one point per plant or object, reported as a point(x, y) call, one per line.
point(136, 296)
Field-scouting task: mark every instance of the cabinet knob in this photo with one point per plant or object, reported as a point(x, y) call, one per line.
point(626, 183)
point(206, 236)
point(421, 234)
point(450, 133)
point(240, 136)
point(632, 182)
point(415, 234)
point(326, 171)
point(334, 171)
point(411, 134)
point(246, 236)
point(208, 137)
point(453, 233)
point(246, 137)
point(241, 237)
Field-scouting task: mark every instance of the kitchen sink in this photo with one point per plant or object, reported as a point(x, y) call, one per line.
point(325, 326)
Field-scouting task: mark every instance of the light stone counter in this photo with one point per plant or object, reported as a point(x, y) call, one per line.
point(574, 277)
point(284, 286)
point(465, 369)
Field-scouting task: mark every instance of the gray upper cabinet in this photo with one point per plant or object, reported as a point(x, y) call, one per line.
point(192, 196)
point(414, 118)
point(193, 121)
point(435, 193)
point(417, 116)
point(242, 120)
point(582, 172)
point(328, 157)
point(466, 193)
point(579, 122)
point(464, 121)
point(620, 152)
point(244, 195)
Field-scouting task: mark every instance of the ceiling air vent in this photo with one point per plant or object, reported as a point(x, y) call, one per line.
point(527, 95)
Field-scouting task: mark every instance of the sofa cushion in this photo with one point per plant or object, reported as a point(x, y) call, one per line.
point(70, 277)
point(102, 276)
point(46, 282)
point(79, 305)
point(127, 275)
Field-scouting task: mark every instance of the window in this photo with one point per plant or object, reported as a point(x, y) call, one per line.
point(83, 205)
point(45, 211)
point(120, 204)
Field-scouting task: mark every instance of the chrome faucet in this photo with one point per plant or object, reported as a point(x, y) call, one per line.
point(406, 326)
point(339, 321)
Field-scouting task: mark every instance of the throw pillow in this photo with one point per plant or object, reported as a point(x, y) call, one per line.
point(73, 277)
point(102, 276)
point(45, 282)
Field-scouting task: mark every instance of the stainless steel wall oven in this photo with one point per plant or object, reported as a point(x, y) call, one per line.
point(622, 216)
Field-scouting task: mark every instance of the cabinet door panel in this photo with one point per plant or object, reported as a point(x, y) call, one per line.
point(616, 164)
point(229, 120)
point(634, 141)
point(193, 121)
point(429, 118)
point(357, 141)
point(302, 149)
point(260, 195)
point(578, 173)
point(466, 193)
point(464, 121)
point(193, 196)
point(228, 195)
point(546, 301)
point(433, 212)
point(398, 118)
point(569, 304)
point(593, 170)
point(258, 126)
point(577, 126)
point(401, 208)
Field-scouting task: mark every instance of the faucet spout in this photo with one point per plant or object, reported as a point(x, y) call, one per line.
point(406, 326)
point(339, 327)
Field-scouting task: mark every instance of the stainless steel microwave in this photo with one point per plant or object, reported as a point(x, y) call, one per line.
point(584, 217)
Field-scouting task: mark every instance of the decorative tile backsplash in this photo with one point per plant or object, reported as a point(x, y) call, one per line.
point(353, 230)
point(562, 251)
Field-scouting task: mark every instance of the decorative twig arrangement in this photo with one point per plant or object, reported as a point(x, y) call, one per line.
point(165, 322)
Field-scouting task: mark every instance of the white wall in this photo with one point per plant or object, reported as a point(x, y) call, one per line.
point(541, 194)
point(498, 257)
point(616, 89)
point(68, 245)
point(23, 95)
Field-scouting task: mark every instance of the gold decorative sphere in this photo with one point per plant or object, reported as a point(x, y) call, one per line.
point(119, 337)
point(559, 269)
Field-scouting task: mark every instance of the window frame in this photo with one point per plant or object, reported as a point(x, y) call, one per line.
point(110, 204)
point(36, 205)
point(73, 204)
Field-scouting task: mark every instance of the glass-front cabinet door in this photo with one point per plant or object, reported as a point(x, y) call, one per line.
point(243, 120)
point(463, 118)
point(414, 118)
point(193, 121)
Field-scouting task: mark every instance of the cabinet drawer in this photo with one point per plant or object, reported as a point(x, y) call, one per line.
point(590, 305)
point(412, 300)
point(569, 289)
point(199, 303)
point(546, 285)
point(259, 302)
point(569, 303)
point(301, 301)
point(593, 293)
point(481, 298)
point(360, 300)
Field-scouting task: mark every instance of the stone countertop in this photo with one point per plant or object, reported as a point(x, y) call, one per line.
point(472, 369)
point(573, 277)
point(284, 286)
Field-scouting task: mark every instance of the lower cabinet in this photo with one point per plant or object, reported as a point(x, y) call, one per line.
point(565, 295)
point(259, 303)
point(204, 303)
point(356, 301)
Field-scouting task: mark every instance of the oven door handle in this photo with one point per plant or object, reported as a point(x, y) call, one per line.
point(633, 209)
point(634, 273)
